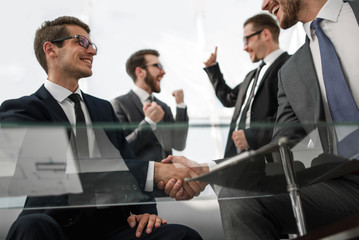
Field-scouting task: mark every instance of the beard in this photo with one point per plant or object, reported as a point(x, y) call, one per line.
point(290, 10)
point(152, 83)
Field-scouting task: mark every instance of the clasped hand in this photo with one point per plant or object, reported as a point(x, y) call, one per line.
point(171, 173)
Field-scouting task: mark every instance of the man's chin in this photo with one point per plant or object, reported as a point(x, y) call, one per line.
point(286, 23)
point(85, 75)
point(254, 59)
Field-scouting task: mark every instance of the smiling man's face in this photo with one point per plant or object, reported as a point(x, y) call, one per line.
point(286, 11)
point(74, 60)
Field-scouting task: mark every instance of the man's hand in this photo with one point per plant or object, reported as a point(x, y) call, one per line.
point(179, 97)
point(144, 220)
point(153, 111)
point(240, 140)
point(212, 59)
point(164, 172)
point(174, 188)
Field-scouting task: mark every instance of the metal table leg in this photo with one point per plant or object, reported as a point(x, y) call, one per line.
point(292, 187)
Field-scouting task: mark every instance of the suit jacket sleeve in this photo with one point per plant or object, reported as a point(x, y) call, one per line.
point(225, 94)
point(287, 123)
point(180, 135)
point(173, 136)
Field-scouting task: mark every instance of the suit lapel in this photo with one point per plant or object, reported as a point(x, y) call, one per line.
point(242, 95)
point(270, 69)
point(93, 111)
point(230, 147)
point(57, 112)
point(302, 86)
point(355, 6)
point(136, 102)
point(308, 74)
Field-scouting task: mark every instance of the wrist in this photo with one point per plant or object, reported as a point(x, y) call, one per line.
point(156, 177)
point(204, 168)
point(201, 169)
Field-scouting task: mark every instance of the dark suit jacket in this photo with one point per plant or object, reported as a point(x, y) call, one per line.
point(264, 106)
point(143, 140)
point(299, 97)
point(42, 108)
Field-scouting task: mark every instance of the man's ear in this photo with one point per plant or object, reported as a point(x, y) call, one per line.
point(140, 72)
point(267, 34)
point(50, 49)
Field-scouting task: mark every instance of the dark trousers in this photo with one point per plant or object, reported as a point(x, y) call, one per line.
point(268, 217)
point(41, 226)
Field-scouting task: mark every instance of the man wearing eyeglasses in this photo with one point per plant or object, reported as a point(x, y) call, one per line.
point(64, 50)
point(139, 106)
point(255, 99)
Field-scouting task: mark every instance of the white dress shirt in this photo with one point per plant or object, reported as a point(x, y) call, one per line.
point(61, 95)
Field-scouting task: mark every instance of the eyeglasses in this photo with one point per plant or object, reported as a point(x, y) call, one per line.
point(245, 38)
point(84, 42)
point(157, 65)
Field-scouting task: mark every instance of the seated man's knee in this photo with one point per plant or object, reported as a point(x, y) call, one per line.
point(35, 226)
point(179, 232)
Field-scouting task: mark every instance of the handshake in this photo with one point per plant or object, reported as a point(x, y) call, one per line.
point(169, 176)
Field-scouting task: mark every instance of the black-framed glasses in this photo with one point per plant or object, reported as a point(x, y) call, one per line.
point(245, 38)
point(84, 42)
point(157, 65)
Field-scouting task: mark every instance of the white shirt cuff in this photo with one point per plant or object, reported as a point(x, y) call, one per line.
point(150, 176)
point(152, 123)
point(181, 105)
point(211, 165)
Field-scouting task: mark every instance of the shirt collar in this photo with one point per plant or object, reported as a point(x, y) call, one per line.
point(58, 92)
point(330, 12)
point(142, 94)
point(270, 58)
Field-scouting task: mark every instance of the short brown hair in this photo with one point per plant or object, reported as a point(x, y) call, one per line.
point(51, 30)
point(137, 59)
point(261, 21)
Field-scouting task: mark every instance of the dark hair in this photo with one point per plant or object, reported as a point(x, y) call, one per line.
point(51, 30)
point(261, 21)
point(137, 59)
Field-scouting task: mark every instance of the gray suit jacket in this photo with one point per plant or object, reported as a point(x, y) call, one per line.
point(148, 144)
point(299, 96)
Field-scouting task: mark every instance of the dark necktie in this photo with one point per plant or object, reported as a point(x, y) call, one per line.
point(81, 131)
point(150, 99)
point(242, 121)
point(340, 100)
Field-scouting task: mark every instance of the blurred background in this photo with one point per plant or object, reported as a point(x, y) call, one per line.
point(184, 32)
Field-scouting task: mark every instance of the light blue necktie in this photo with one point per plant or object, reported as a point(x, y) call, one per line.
point(340, 100)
